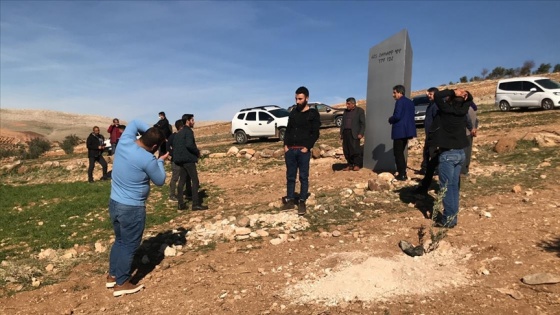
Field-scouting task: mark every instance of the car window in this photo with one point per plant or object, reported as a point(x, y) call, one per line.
point(421, 100)
point(280, 112)
point(527, 86)
point(241, 116)
point(511, 86)
point(548, 84)
point(252, 116)
point(321, 108)
point(264, 116)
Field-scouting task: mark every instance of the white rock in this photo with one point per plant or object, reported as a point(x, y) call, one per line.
point(169, 252)
point(276, 241)
point(99, 248)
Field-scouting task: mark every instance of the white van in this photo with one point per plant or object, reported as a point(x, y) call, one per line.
point(527, 92)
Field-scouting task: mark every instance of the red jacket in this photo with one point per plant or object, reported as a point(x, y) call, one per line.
point(115, 132)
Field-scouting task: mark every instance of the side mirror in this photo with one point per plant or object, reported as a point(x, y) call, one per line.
point(328, 110)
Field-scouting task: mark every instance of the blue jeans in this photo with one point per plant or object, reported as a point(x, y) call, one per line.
point(128, 225)
point(295, 159)
point(449, 175)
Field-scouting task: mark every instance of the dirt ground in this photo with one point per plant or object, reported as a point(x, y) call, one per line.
point(476, 270)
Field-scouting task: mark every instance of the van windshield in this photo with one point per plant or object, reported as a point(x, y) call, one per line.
point(548, 84)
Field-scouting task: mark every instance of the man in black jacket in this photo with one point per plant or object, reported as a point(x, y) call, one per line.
point(186, 154)
point(165, 127)
point(447, 134)
point(351, 131)
point(95, 144)
point(301, 134)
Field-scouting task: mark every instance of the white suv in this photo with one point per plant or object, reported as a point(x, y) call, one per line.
point(527, 92)
point(259, 122)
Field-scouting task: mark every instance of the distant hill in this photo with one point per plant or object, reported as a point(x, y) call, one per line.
point(20, 125)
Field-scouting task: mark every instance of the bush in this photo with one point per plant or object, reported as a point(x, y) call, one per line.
point(37, 146)
point(69, 143)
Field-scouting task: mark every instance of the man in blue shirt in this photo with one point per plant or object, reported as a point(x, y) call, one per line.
point(403, 127)
point(133, 168)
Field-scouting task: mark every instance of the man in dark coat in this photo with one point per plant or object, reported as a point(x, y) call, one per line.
point(95, 144)
point(186, 154)
point(165, 127)
point(403, 128)
point(351, 132)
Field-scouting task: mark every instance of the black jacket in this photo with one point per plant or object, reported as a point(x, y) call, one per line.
point(449, 125)
point(184, 147)
point(165, 127)
point(303, 128)
point(93, 142)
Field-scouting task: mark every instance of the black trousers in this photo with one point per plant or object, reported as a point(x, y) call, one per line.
point(99, 159)
point(399, 145)
point(432, 164)
point(468, 153)
point(351, 148)
point(188, 176)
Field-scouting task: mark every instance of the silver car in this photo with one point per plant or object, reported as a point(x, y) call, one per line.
point(421, 103)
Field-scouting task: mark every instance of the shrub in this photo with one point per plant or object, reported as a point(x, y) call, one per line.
point(69, 143)
point(37, 146)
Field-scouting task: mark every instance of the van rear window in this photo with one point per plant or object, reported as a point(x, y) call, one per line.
point(548, 84)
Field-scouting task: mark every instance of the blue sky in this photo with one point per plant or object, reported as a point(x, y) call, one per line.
point(132, 59)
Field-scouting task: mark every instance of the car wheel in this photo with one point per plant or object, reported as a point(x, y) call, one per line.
point(547, 104)
point(240, 137)
point(281, 133)
point(504, 106)
point(338, 121)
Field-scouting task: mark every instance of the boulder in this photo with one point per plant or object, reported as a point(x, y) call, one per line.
point(504, 145)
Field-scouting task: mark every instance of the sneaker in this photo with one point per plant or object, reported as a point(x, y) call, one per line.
point(301, 208)
point(199, 207)
point(442, 225)
point(401, 178)
point(288, 205)
point(356, 168)
point(126, 288)
point(111, 281)
point(172, 198)
point(182, 206)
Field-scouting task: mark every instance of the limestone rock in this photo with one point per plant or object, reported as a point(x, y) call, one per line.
point(217, 155)
point(170, 252)
point(315, 153)
point(99, 248)
point(243, 222)
point(541, 278)
point(516, 189)
point(242, 231)
point(276, 241)
point(504, 145)
point(232, 151)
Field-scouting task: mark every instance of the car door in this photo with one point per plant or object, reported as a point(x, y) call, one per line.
point(266, 126)
point(515, 93)
point(324, 113)
point(532, 94)
point(251, 124)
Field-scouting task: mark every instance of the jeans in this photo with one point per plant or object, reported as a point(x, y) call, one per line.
point(128, 225)
point(295, 159)
point(450, 162)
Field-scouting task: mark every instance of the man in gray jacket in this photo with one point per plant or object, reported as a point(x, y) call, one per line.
point(186, 154)
point(351, 132)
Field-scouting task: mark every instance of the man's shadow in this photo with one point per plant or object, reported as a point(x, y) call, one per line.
point(422, 201)
point(153, 248)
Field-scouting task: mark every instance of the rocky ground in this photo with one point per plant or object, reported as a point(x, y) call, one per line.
point(246, 256)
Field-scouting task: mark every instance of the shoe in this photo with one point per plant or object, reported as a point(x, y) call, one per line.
point(90, 180)
point(105, 178)
point(172, 198)
point(182, 206)
point(441, 225)
point(289, 204)
point(302, 210)
point(111, 281)
point(401, 178)
point(356, 168)
point(199, 207)
point(347, 168)
point(126, 288)
point(421, 172)
point(421, 190)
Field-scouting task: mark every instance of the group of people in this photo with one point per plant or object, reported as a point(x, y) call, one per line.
point(135, 163)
